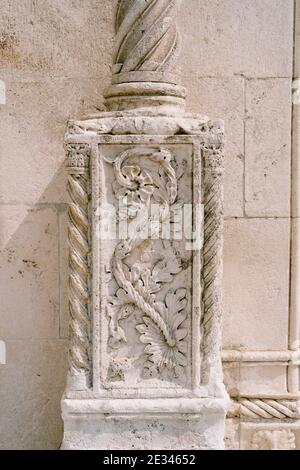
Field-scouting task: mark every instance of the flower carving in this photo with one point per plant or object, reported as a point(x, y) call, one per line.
point(133, 200)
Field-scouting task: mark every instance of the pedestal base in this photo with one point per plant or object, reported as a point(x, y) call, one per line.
point(141, 424)
point(149, 325)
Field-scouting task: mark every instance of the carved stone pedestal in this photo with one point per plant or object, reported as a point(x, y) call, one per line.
point(145, 232)
point(166, 423)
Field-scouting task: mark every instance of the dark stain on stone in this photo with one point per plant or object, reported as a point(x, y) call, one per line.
point(10, 255)
point(10, 55)
point(186, 263)
point(8, 47)
point(30, 264)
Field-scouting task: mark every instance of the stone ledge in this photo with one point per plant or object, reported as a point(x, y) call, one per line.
point(140, 406)
point(180, 424)
point(119, 123)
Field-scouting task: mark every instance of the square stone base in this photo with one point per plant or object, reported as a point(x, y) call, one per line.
point(141, 424)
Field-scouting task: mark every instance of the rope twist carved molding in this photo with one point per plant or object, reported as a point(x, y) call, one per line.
point(212, 258)
point(78, 188)
point(267, 409)
point(147, 38)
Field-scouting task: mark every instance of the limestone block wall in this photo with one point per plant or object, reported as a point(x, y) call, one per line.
point(237, 64)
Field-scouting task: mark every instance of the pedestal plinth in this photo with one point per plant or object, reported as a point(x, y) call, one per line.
point(145, 283)
point(118, 424)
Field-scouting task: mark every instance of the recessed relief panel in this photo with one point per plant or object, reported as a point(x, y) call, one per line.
point(148, 257)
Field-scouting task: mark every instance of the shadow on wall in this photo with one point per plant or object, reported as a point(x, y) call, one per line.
point(33, 320)
point(55, 61)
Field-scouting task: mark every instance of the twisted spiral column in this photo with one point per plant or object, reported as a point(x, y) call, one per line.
point(146, 35)
point(212, 263)
point(146, 45)
point(78, 188)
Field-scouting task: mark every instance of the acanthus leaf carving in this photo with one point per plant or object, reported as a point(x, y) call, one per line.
point(162, 332)
point(160, 353)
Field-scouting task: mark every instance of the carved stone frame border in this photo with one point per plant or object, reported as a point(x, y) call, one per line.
point(209, 161)
point(99, 382)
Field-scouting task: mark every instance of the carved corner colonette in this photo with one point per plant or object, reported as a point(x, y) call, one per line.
point(145, 254)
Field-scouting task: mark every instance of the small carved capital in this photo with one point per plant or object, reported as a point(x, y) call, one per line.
point(214, 158)
point(78, 158)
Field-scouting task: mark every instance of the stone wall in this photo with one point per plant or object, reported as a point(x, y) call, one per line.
point(237, 64)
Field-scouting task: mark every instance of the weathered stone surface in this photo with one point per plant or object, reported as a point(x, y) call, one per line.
point(256, 279)
point(58, 38)
point(30, 412)
point(255, 379)
point(179, 423)
point(29, 273)
point(232, 435)
point(294, 338)
point(74, 39)
point(32, 126)
point(268, 148)
point(252, 38)
point(63, 274)
point(278, 436)
point(223, 98)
